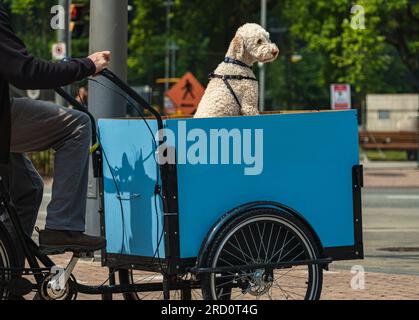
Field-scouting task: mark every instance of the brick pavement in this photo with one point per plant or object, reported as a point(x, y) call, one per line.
point(378, 286)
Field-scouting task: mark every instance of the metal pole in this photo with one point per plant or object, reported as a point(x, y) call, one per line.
point(169, 3)
point(108, 31)
point(173, 66)
point(417, 132)
point(64, 36)
point(262, 73)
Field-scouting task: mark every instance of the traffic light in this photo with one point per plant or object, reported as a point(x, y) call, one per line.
point(77, 20)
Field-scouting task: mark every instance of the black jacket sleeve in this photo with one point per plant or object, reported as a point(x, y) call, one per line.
point(27, 72)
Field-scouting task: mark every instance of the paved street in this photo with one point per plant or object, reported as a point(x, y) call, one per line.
point(391, 230)
point(336, 283)
point(391, 174)
point(391, 241)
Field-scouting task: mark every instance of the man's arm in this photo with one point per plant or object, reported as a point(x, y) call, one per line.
point(27, 72)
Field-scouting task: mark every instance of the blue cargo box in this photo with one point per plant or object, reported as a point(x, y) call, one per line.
point(307, 165)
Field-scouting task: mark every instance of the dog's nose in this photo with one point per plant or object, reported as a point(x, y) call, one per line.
point(275, 52)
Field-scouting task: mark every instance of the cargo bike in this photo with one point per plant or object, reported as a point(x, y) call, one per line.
point(198, 227)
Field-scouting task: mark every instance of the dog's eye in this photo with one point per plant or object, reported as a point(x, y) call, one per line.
point(260, 41)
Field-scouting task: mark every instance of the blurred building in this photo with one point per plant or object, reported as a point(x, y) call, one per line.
point(392, 112)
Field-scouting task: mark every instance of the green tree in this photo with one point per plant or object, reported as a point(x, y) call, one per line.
point(201, 30)
point(383, 57)
point(31, 20)
point(360, 56)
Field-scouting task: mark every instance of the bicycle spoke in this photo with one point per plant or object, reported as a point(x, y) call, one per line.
point(254, 242)
point(269, 242)
point(240, 249)
point(282, 248)
point(297, 245)
point(233, 255)
point(247, 244)
point(289, 292)
point(261, 239)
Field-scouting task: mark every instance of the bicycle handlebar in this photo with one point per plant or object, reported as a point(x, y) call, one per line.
point(133, 94)
point(125, 88)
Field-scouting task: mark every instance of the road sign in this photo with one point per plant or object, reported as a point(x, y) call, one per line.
point(169, 107)
point(186, 94)
point(340, 95)
point(59, 51)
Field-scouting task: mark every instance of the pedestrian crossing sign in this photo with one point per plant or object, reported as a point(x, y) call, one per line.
point(186, 94)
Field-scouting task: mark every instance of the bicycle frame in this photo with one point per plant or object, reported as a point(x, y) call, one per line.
point(169, 190)
point(32, 253)
point(30, 249)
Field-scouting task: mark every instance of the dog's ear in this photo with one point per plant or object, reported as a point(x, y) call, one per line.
point(237, 47)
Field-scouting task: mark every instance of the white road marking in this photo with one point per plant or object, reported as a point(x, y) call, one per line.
point(403, 197)
point(391, 229)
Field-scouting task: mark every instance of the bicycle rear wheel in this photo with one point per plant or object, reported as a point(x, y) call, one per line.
point(263, 236)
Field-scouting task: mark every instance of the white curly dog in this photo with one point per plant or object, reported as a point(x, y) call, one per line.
point(233, 89)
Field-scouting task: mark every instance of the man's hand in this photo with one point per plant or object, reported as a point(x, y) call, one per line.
point(101, 60)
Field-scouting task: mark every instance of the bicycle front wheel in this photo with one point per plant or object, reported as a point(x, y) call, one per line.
point(7, 261)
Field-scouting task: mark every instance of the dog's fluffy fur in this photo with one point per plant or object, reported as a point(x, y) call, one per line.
point(251, 44)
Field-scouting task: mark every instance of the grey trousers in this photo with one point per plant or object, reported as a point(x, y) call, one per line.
point(39, 126)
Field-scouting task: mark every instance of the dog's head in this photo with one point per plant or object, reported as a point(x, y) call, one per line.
point(252, 44)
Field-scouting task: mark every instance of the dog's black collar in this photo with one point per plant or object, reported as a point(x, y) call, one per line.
point(237, 62)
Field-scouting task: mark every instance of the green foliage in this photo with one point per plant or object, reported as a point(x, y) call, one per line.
point(383, 57)
point(31, 20)
point(200, 29)
point(22, 6)
point(319, 30)
point(359, 56)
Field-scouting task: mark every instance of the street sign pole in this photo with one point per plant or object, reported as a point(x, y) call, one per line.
point(63, 36)
point(417, 131)
point(108, 31)
point(169, 3)
point(262, 70)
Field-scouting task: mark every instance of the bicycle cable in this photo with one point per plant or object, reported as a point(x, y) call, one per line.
point(157, 186)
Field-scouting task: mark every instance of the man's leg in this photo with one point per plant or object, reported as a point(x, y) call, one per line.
point(26, 190)
point(25, 187)
point(39, 126)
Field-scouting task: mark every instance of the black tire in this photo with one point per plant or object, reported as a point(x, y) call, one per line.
point(237, 244)
point(7, 260)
